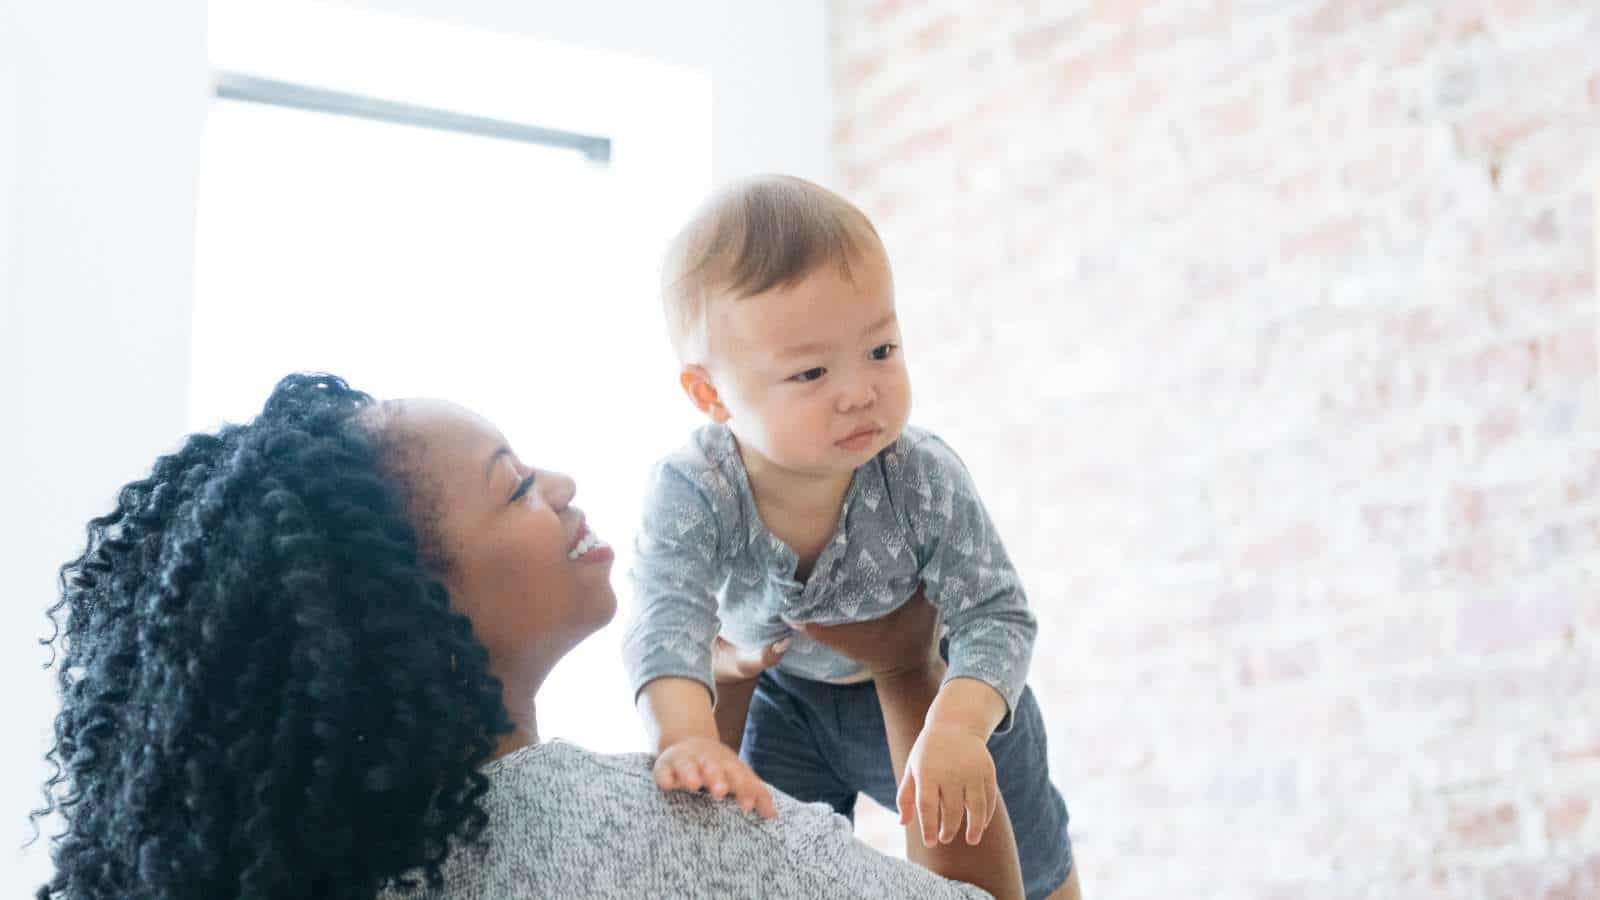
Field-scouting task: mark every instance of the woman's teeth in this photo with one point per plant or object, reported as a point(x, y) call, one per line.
point(588, 543)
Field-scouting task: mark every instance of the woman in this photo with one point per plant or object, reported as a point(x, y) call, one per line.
point(301, 660)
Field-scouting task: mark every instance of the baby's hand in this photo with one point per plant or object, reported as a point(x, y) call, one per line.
point(698, 763)
point(949, 772)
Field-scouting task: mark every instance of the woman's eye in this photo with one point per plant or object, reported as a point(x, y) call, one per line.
point(522, 488)
point(884, 351)
point(809, 375)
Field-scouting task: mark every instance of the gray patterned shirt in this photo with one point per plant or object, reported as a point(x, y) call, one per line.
point(566, 822)
point(704, 561)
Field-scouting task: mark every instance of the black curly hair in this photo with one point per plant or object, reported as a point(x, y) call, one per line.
point(264, 691)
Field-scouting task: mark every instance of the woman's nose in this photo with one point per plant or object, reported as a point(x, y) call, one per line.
point(558, 488)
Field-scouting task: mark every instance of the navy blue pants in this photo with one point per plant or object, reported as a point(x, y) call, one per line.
point(826, 743)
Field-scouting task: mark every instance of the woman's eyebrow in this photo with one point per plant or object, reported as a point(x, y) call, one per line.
point(488, 468)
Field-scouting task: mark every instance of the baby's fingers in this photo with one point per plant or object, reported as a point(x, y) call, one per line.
point(689, 775)
point(666, 779)
point(950, 811)
point(753, 794)
point(716, 778)
point(905, 801)
point(928, 813)
point(977, 813)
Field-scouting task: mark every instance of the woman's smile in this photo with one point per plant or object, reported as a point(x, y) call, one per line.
point(587, 547)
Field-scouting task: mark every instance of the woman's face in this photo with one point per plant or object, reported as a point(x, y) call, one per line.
point(522, 564)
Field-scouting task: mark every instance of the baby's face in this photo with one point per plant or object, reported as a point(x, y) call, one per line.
point(812, 375)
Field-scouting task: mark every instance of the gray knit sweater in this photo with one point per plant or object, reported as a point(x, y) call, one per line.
point(568, 823)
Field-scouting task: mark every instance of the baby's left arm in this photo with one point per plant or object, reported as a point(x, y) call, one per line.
point(966, 572)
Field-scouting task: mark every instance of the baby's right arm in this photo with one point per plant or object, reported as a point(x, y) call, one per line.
point(668, 646)
point(689, 755)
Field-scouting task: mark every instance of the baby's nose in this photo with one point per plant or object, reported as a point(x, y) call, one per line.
point(861, 394)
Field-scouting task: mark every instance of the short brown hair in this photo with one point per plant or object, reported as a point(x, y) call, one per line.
point(759, 233)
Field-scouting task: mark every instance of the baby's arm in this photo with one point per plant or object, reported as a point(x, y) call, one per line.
point(689, 754)
point(901, 651)
point(968, 575)
point(668, 645)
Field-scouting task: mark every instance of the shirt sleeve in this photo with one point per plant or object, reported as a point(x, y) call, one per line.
point(675, 572)
point(968, 575)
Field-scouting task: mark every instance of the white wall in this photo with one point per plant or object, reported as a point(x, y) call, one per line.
point(105, 137)
point(101, 115)
point(767, 60)
point(10, 345)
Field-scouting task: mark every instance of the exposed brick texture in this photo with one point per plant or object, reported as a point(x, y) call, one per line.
point(1269, 329)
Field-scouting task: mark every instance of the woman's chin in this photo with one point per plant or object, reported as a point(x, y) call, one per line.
point(604, 606)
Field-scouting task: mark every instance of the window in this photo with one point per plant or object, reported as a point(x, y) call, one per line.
point(517, 279)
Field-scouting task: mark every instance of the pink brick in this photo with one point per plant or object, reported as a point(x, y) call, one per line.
point(1584, 485)
point(1571, 353)
point(1476, 561)
point(1576, 880)
point(1385, 168)
point(1328, 239)
point(1496, 622)
point(1479, 828)
point(858, 71)
point(1069, 79)
point(1462, 22)
point(1306, 81)
point(1510, 366)
point(1237, 116)
point(1414, 43)
point(1508, 11)
point(1498, 426)
point(1043, 41)
point(1493, 133)
point(1274, 665)
point(1294, 546)
point(1122, 12)
point(939, 34)
point(1287, 409)
point(881, 12)
point(1564, 817)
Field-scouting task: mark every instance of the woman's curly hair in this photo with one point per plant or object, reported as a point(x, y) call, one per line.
point(264, 691)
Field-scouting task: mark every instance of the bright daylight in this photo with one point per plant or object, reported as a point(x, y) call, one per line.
point(800, 449)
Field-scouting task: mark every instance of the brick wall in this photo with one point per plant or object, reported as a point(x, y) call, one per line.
point(1269, 330)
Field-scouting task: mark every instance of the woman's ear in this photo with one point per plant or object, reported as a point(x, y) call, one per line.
point(696, 383)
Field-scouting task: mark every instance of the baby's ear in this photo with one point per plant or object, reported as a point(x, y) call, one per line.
point(696, 383)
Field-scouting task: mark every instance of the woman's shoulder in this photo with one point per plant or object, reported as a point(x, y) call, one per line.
point(545, 769)
point(567, 821)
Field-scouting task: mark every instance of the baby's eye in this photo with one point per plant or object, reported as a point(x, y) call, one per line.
point(884, 351)
point(809, 375)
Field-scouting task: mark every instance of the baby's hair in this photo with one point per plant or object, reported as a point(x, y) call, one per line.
point(757, 234)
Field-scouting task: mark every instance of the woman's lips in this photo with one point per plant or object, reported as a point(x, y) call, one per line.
point(587, 548)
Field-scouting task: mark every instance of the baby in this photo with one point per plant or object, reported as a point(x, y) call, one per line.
point(807, 499)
